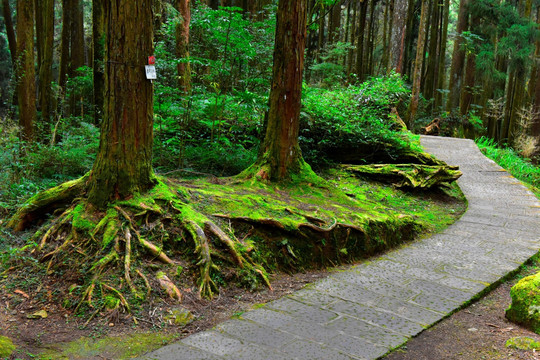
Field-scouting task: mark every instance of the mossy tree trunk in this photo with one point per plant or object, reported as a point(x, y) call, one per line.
point(124, 162)
point(182, 45)
point(25, 70)
point(280, 153)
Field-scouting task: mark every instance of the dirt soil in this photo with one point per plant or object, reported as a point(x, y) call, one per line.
point(477, 332)
point(33, 336)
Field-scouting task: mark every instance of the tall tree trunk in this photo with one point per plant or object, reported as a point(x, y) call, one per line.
point(10, 30)
point(360, 64)
point(441, 76)
point(535, 93)
point(433, 55)
point(410, 37)
point(335, 22)
point(45, 51)
point(458, 58)
point(417, 75)
point(77, 50)
point(354, 39)
point(371, 39)
point(387, 34)
point(322, 24)
point(182, 46)
point(398, 31)
point(124, 162)
point(65, 46)
point(25, 70)
point(98, 56)
point(280, 153)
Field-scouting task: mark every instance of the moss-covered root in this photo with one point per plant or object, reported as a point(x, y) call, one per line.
point(525, 306)
point(59, 197)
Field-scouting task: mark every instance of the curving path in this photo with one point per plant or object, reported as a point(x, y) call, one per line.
point(364, 312)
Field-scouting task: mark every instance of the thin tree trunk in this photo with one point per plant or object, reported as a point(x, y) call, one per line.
point(439, 98)
point(360, 44)
point(433, 56)
point(335, 22)
point(10, 30)
point(65, 46)
point(25, 70)
point(413, 106)
point(182, 46)
point(124, 162)
point(458, 58)
point(354, 40)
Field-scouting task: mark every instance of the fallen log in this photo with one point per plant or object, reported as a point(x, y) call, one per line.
point(407, 175)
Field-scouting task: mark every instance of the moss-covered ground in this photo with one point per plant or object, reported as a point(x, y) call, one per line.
point(188, 236)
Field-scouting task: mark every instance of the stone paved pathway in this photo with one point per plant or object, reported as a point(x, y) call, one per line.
point(364, 312)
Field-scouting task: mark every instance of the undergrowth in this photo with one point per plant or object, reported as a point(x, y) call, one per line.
point(522, 169)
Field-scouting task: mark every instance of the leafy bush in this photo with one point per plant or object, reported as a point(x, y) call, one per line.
point(353, 124)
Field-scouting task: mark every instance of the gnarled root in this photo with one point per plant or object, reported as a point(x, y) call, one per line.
point(207, 286)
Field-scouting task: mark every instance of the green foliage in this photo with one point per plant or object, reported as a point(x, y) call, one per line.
point(354, 119)
point(331, 70)
point(27, 169)
point(507, 157)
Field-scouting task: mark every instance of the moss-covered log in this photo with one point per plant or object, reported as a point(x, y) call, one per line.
point(408, 175)
point(46, 202)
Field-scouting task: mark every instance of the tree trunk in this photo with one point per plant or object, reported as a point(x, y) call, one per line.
point(65, 46)
point(360, 43)
point(182, 46)
point(10, 30)
point(458, 58)
point(439, 99)
point(417, 75)
point(335, 22)
point(98, 55)
point(354, 38)
point(387, 34)
point(280, 153)
point(46, 16)
point(433, 56)
point(25, 70)
point(124, 162)
point(398, 31)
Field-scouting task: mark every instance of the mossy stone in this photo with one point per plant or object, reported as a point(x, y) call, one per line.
point(525, 306)
point(522, 343)
point(180, 317)
point(6, 347)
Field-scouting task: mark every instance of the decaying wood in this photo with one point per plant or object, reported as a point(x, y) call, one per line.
point(433, 128)
point(408, 175)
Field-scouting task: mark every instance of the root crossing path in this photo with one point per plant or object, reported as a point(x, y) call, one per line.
point(366, 311)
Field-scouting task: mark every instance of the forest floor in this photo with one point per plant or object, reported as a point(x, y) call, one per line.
point(114, 334)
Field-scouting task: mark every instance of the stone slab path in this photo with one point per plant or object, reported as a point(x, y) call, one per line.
point(364, 312)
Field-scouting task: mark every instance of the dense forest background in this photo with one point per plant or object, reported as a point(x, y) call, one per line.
point(471, 64)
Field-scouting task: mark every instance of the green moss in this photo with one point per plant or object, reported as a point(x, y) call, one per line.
point(523, 343)
point(525, 306)
point(82, 220)
point(6, 347)
point(179, 317)
point(126, 347)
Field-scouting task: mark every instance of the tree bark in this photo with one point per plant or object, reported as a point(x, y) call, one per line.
point(45, 51)
point(458, 58)
point(441, 76)
point(360, 42)
point(182, 45)
point(10, 30)
point(25, 70)
point(335, 22)
point(280, 153)
point(124, 162)
point(398, 31)
point(65, 54)
point(98, 55)
point(417, 75)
